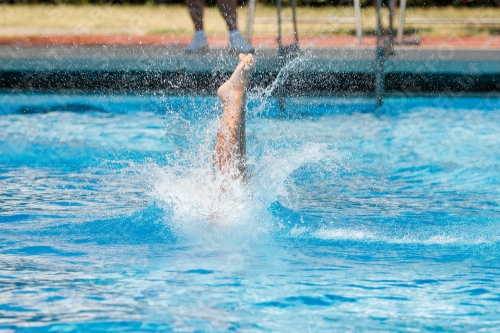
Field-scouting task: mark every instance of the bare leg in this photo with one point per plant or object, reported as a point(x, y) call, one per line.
point(227, 153)
point(228, 10)
point(196, 10)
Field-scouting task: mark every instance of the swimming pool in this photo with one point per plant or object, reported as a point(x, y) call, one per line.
point(354, 218)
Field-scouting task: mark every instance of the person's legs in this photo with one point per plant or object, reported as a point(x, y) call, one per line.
point(226, 7)
point(228, 157)
point(236, 41)
point(228, 10)
point(196, 11)
point(199, 43)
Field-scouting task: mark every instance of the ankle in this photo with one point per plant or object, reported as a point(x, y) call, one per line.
point(234, 34)
point(200, 34)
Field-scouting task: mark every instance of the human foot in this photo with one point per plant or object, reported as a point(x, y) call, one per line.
point(238, 44)
point(239, 78)
point(198, 44)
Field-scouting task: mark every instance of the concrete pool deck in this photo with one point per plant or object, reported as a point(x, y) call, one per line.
point(56, 63)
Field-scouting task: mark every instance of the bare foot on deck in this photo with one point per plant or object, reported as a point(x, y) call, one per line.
point(238, 80)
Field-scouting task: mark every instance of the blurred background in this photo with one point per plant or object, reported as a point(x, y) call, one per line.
point(171, 18)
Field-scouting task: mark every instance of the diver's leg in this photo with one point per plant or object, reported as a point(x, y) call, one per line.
point(242, 141)
point(227, 156)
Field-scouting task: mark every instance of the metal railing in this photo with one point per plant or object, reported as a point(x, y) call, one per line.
point(334, 20)
point(419, 20)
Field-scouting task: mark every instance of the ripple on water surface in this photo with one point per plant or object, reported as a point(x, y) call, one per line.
point(111, 218)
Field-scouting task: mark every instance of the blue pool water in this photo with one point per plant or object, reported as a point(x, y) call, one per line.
point(354, 218)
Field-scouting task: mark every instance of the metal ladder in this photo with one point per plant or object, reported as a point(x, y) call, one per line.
point(423, 20)
point(252, 19)
point(383, 49)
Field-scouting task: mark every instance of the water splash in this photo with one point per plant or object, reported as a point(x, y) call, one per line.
point(261, 95)
point(198, 200)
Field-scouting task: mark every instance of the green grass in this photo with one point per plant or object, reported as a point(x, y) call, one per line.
point(175, 20)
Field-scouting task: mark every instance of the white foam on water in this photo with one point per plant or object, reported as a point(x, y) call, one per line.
point(341, 233)
point(201, 202)
point(441, 239)
point(297, 231)
point(362, 235)
point(194, 195)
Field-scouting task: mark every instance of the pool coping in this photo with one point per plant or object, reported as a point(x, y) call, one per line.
point(341, 69)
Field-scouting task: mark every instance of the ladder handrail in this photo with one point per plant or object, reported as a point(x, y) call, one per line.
point(402, 12)
point(251, 12)
point(306, 20)
point(379, 59)
point(418, 20)
point(356, 20)
point(453, 20)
